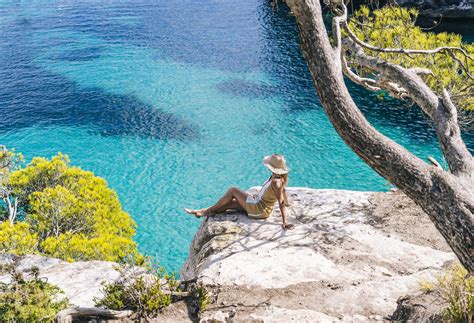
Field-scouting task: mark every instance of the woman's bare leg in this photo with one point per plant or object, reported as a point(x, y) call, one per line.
point(232, 198)
point(232, 194)
point(234, 205)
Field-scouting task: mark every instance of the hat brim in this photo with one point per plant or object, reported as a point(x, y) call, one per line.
point(279, 171)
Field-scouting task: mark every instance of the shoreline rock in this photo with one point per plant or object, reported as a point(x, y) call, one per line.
point(445, 9)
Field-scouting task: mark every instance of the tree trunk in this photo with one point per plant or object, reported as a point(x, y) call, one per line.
point(448, 199)
point(74, 314)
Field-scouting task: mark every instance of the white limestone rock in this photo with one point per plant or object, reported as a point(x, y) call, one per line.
point(333, 266)
point(81, 281)
point(340, 263)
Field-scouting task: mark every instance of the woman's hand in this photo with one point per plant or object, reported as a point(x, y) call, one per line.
point(288, 226)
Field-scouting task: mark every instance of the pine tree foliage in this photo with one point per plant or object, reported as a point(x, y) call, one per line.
point(394, 27)
point(68, 213)
point(18, 239)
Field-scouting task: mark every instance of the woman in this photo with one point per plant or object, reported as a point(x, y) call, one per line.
point(260, 205)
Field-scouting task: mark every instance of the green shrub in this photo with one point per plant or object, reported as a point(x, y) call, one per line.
point(32, 300)
point(203, 298)
point(145, 294)
point(108, 247)
point(456, 289)
point(17, 239)
point(9, 160)
point(143, 297)
point(73, 214)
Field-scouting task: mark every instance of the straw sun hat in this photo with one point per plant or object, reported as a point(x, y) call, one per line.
point(276, 164)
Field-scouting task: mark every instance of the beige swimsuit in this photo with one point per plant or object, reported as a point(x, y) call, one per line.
point(260, 205)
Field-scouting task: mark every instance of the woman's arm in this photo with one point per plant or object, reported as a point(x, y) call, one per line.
point(282, 202)
point(285, 194)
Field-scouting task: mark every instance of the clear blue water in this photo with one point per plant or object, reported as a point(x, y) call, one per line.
point(174, 101)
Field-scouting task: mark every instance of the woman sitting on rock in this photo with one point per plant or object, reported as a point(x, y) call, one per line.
point(260, 205)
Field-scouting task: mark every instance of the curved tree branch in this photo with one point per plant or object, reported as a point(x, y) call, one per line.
point(383, 154)
point(441, 111)
point(368, 83)
point(447, 199)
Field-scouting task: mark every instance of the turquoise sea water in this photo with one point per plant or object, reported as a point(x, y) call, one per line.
point(174, 101)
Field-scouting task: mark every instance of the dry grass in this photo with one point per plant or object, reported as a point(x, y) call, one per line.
point(456, 289)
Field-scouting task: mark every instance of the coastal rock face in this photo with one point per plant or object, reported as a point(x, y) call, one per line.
point(353, 256)
point(437, 4)
point(350, 257)
point(451, 9)
point(81, 281)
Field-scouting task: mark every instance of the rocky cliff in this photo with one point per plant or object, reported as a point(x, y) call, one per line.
point(80, 281)
point(455, 10)
point(445, 9)
point(451, 9)
point(350, 257)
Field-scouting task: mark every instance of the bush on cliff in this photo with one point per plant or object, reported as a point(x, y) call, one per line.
point(18, 238)
point(73, 214)
point(29, 300)
point(456, 289)
point(146, 294)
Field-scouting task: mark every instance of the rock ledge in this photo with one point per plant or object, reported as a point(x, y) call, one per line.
point(340, 262)
point(351, 257)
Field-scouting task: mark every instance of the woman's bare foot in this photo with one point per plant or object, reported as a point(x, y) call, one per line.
point(196, 213)
point(190, 211)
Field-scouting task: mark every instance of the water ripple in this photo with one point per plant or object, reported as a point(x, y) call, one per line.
point(174, 101)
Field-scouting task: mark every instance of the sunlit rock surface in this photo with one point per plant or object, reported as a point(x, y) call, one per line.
point(351, 256)
point(347, 259)
point(80, 281)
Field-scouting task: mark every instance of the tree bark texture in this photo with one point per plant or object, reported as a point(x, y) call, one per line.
point(70, 315)
point(447, 198)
